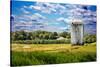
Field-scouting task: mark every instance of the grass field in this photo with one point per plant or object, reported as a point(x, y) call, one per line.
point(34, 54)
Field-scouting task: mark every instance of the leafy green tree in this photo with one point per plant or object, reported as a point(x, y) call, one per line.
point(90, 38)
point(65, 34)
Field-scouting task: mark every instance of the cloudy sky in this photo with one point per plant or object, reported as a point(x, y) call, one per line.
point(32, 16)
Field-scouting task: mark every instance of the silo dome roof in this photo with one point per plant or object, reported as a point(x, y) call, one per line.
point(77, 21)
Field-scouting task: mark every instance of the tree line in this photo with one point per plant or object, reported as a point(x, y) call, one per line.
point(39, 37)
point(22, 35)
point(45, 37)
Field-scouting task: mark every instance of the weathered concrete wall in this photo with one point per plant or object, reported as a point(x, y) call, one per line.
point(77, 31)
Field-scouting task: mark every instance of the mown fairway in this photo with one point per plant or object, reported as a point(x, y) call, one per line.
point(33, 54)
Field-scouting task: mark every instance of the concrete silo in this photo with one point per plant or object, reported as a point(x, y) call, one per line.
point(77, 32)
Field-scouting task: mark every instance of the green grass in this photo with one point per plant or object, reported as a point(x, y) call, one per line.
point(52, 54)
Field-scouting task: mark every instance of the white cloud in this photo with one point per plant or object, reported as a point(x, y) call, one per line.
point(63, 28)
point(47, 7)
point(51, 28)
point(25, 6)
point(26, 21)
point(23, 17)
point(35, 7)
point(66, 20)
point(58, 6)
point(35, 16)
point(60, 19)
point(46, 10)
point(23, 23)
point(38, 16)
point(25, 11)
point(77, 12)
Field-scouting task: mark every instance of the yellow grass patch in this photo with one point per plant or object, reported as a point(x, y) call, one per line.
point(54, 47)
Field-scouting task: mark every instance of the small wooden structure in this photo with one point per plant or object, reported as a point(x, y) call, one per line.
point(77, 32)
